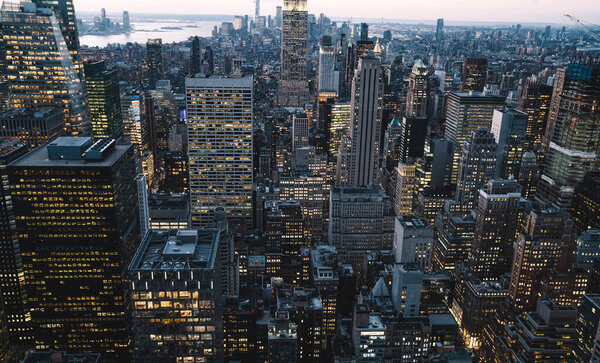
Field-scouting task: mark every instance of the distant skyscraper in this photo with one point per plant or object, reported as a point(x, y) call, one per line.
point(439, 30)
point(474, 74)
point(364, 32)
point(509, 127)
point(467, 112)
point(476, 167)
point(12, 287)
point(40, 71)
point(94, 238)
point(293, 84)
point(126, 21)
point(535, 102)
point(278, 16)
point(154, 61)
point(104, 100)
point(573, 131)
point(134, 123)
point(220, 146)
point(358, 164)
point(195, 63)
point(328, 83)
point(256, 9)
point(418, 90)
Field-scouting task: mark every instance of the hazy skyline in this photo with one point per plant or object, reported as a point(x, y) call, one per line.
point(451, 10)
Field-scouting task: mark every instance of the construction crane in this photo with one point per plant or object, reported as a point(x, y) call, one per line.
point(588, 27)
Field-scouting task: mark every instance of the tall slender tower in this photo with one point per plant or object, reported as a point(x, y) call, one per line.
point(474, 74)
point(104, 100)
point(219, 120)
point(439, 31)
point(418, 90)
point(154, 61)
point(293, 84)
point(358, 162)
point(75, 257)
point(257, 9)
point(535, 102)
point(328, 84)
point(573, 132)
point(40, 71)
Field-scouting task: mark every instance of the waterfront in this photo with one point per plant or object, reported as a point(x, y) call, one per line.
point(168, 31)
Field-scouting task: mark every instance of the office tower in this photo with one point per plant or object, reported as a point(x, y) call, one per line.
point(573, 131)
point(293, 84)
point(278, 16)
point(169, 211)
point(467, 112)
point(418, 90)
point(475, 302)
point(35, 127)
point(535, 102)
point(65, 16)
point(474, 74)
point(220, 146)
point(300, 131)
point(306, 188)
point(341, 116)
point(104, 100)
point(134, 124)
point(364, 32)
point(176, 173)
point(453, 241)
point(368, 334)
point(328, 77)
point(413, 242)
point(587, 249)
point(529, 175)
point(405, 189)
point(149, 114)
point(360, 219)
point(326, 279)
point(126, 21)
point(587, 328)
point(208, 61)
point(509, 127)
point(257, 9)
point(496, 226)
point(144, 209)
point(93, 237)
point(39, 69)
point(195, 56)
point(12, 289)
point(103, 18)
point(546, 335)
point(412, 138)
point(239, 329)
point(175, 293)
point(477, 166)
point(392, 144)
point(154, 61)
point(358, 163)
point(407, 281)
point(545, 244)
point(284, 233)
point(305, 308)
point(439, 30)
point(434, 168)
point(586, 203)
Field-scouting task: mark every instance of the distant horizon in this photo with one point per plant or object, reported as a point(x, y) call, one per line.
point(466, 11)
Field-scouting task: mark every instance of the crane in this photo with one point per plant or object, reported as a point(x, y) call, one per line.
point(588, 28)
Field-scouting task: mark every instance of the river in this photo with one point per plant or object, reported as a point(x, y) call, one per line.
point(149, 30)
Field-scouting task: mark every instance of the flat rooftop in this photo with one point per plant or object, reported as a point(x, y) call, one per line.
point(177, 249)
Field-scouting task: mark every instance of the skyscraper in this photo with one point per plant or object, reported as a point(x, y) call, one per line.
point(126, 21)
point(154, 61)
point(33, 126)
point(418, 90)
point(477, 166)
point(495, 229)
point(75, 257)
point(104, 100)
point(509, 127)
point(195, 63)
point(328, 82)
point(293, 84)
point(573, 131)
point(474, 74)
point(535, 102)
point(40, 71)
point(12, 288)
point(586, 203)
point(219, 120)
point(300, 131)
point(358, 163)
point(412, 138)
point(134, 124)
point(439, 30)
